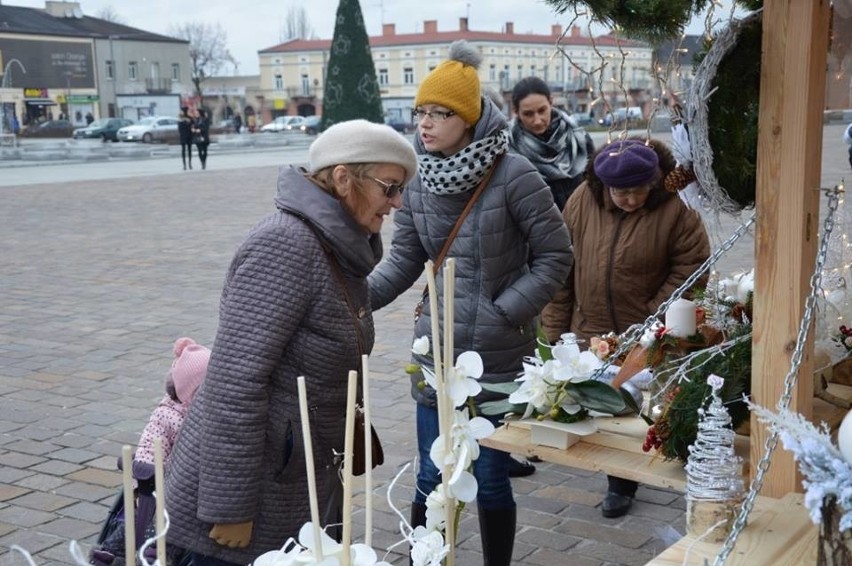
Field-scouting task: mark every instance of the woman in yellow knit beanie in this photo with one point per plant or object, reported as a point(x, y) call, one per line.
point(511, 252)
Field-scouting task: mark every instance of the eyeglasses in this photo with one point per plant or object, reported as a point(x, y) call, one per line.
point(390, 189)
point(435, 115)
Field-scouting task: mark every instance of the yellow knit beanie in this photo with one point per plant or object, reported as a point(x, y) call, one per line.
point(454, 83)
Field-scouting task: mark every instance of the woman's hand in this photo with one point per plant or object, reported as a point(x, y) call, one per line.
point(232, 535)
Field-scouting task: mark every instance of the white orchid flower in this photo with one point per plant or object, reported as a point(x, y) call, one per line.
point(421, 346)
point(429, 549)
point(436, 509)
point(745, 285)
point(574, 366)
point(363, 555)
point(462, 378)
point(331, 549)
point(286, 556)
point(456, 459)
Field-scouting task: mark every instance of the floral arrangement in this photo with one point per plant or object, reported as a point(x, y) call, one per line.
point(682, 368)
point(304, 552)
point(559, 383)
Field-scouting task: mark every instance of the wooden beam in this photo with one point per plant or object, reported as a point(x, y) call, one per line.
point(789, 156)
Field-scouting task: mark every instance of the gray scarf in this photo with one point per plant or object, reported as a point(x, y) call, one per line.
point(463, 170)
point(561, 153)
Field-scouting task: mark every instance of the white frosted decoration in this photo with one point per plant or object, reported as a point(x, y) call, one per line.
point(680, 318)
point(844, 437)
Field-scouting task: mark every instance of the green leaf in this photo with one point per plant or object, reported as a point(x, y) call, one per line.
point(501, 407)
point(545, 351)
point(630, 402)
point(507, 387)
point(596, 396)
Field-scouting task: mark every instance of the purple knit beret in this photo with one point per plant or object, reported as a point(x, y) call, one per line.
point(625, 164)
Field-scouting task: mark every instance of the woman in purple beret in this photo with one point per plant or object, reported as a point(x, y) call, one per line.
point(634, 243)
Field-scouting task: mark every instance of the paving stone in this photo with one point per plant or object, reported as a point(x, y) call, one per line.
point(42, 501)
point(88, 492)
point(539, 538)
point(603, 533)
point(97, 477)
point(6, 528)
point(70, 528)
point(23, 517)
point(615, 554)
point(74, 455)
point(11, 475)
point(8, 492)
point(540, 504)
point(35, 542)
point(57, 468)
point(41, 482)
point(18, 460)
point(569, 495)
point(548, 557)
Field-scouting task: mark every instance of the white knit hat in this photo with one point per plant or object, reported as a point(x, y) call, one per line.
point(188, 368)
point(360, 141)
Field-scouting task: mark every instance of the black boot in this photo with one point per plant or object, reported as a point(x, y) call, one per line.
point(497, 528)
point(417, 519)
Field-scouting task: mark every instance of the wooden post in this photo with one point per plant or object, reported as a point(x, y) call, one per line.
point(789, 156)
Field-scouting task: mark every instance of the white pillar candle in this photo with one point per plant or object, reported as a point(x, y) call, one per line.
point(308, 447)
point(680, 318)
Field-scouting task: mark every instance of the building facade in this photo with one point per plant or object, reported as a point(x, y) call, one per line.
point(57, 62)
point(292, 74)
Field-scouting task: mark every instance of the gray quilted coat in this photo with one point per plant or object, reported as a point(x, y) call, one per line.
point(239, 456)
point(512, 255)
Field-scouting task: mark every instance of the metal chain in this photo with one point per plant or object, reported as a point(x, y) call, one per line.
point(789, 381)
point(632, 334)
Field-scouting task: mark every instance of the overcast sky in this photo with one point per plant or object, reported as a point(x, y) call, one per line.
point(252, 25)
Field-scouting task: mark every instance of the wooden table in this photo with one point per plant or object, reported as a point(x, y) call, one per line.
point(779, 531)
point(615, 449)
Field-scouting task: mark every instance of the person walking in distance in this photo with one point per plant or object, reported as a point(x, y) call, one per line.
point(185, 134)
point(201, 135)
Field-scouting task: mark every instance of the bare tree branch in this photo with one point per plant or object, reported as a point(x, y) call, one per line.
point(208, 51)
point(109, 14)
point(296, 25)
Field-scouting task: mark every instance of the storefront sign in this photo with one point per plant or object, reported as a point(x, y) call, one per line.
point(35, 93)
point(82, 98)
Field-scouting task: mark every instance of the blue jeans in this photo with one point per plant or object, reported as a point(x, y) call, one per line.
point(491, 469)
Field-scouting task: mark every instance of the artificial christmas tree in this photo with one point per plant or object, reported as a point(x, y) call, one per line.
point(351, 89)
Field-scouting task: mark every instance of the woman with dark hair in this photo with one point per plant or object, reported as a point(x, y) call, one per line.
point(550, 138)
point(634, 243)
point(201, 135)
point(185, 133)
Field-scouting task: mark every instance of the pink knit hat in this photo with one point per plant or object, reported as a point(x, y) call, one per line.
point(189, 367)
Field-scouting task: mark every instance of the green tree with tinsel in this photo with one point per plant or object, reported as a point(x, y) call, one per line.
point(351, 88)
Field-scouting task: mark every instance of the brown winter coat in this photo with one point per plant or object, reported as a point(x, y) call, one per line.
point(625, 265)
point(240, 456)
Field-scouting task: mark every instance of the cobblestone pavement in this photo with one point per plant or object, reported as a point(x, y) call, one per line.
point(98, 279)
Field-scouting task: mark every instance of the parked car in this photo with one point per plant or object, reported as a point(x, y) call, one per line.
point(151, 129)
point(311, 125)
point(49, 129)
point(295, 123)
point(105, 129)
point(282, 124)
point(632, 114)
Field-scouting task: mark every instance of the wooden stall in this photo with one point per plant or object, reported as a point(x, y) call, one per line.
point(795, 46)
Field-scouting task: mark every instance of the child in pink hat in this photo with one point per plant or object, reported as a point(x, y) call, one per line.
point(188, 370)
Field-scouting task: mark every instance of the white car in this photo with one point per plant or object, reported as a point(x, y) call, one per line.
point(283, 124)
point(151, 129)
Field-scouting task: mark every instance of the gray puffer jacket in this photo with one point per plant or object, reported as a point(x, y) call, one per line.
point(512, 255)
point(239, 456)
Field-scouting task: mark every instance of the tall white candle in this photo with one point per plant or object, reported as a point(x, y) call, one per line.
point(309, 466)
point(680, 318)
point(160, 487)
point(348, 452)
point(129, 500)
point(368, 453)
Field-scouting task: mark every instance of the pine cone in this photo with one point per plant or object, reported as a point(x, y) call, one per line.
point(679, 178)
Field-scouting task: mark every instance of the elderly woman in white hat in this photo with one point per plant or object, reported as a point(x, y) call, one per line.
point(295, 302)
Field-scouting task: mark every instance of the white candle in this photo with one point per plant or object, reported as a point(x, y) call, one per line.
point(129, 500)
point(680, 318)
point(368, 453)
point(348, 452)
point(160, 487)
point(309, 465)
point(449, 358)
